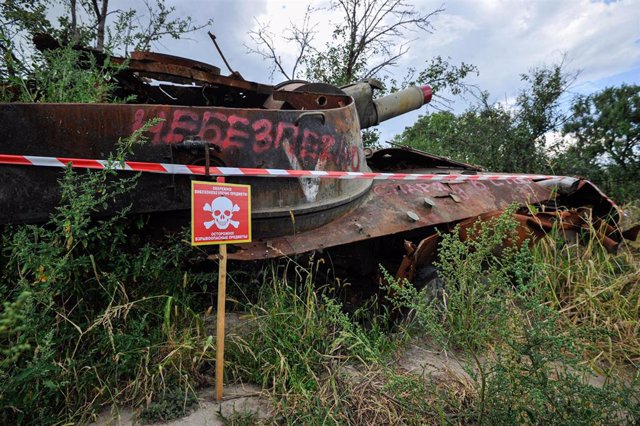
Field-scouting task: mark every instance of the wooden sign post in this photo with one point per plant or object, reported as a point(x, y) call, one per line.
point(220, 316)
point(220, 213)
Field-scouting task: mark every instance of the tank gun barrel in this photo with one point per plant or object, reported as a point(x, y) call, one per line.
point(372, 112)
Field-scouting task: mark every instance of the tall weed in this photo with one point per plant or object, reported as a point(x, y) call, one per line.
point(298, 340)
point(535, 374)
point(64, 75)
point(596, 291)
point(479, 275)
point(89, 320)
point(494, 308)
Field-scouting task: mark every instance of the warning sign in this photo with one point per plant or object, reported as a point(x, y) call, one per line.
point(220, 213)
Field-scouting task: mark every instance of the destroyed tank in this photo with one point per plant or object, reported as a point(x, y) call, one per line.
point(211, 120)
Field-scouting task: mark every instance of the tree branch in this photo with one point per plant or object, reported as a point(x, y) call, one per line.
point(262, 37)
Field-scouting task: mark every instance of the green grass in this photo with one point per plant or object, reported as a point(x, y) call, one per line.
point(298, 341)
point(532, 335)
point(527, 362)
point(598, 293)
point(87, 321)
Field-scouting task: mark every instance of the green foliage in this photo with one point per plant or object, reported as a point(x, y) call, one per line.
point(371, 138)
point(362, 41)
point(12, 327)
point(126, 320)
point(603, 141)
point(431, 131)
point(604, 130)
point(295, 341)
point(172, 404)
point(89, 319)
point(330, 65)
point(66, 75)
point(501, 138)
point(25, 15)
point(528, 368)
point(366, 42)
point(524, 345)
point(537, 375)
point(539, 104)
point(478, 275)
point(290, 336)
point(82, 23)
point(415, 395)
point(442, 75)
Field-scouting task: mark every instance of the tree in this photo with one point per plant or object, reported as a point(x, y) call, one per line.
point(29, 75)
point(605, 132)
point(86, 22)
point(363, 42)
point(508, 138)
point(371, 36)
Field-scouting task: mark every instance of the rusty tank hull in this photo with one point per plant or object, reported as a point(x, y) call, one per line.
point(324, 140)
point(226, 121)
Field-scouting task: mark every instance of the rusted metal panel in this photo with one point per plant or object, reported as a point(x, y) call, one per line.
point(185, 65)
point(184, 71)
point(243, 138)
point(406, 158)
point(532, 226)
point(311, 101)
point(383, 211)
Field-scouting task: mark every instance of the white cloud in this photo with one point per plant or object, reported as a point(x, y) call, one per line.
point(506, 38)
point(513, 36)
point(450, 28)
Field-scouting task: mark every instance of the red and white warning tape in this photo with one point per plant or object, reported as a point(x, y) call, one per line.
point(186, 169)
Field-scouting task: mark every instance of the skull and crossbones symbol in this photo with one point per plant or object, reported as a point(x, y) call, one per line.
point(221, 209)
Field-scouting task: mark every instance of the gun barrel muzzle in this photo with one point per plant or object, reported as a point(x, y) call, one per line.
point(403, 101)
point(374, 111)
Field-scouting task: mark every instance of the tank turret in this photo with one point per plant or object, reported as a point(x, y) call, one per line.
point(211, 120)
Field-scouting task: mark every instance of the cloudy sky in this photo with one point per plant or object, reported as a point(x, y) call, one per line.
point(503, 38)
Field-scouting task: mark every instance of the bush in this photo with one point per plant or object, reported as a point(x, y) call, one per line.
point(527, 363)
point(64, 75)
point(88, 319)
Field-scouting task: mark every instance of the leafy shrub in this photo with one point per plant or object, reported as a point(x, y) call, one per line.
point(64, 75)
point(536, 374)
point(528, 368)
point(478, 276)
point(88, 319)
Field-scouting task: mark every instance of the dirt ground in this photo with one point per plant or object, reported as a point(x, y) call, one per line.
point(238, 399)
point(248, 401)
point(245, 400)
